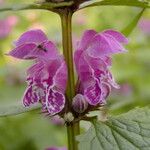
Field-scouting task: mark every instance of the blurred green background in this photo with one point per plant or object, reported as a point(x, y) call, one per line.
point(33, 131)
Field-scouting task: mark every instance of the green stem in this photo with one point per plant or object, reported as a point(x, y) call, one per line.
point(66, 20)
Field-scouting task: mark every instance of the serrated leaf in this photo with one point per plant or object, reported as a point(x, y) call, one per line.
point(15, 109)
point(47, 6)
point(130, 131)
point(130, 27)
point(135, 3)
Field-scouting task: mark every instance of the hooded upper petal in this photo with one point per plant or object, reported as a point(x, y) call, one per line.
point(117, 35)
point(34, 44)
point(104, 45)
point(33, 36)
point(45, 51)
point(86, 39)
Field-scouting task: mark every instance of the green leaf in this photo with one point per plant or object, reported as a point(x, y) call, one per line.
point(130, 131)
point(47, 6)
point(130, 27)
point(16, 109)
point(135, 3)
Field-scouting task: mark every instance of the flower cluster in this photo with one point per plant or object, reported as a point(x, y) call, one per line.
point(47, 78)
point(93, 59)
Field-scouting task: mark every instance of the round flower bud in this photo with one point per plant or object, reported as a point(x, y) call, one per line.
point(79, 103)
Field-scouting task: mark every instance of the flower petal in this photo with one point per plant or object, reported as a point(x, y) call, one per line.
point(47, 51)
point(32, 36)
point(60, 78)
point(55, 101)
point(86, 38)
point(117, 35)
point(30, 97)
point(22, 51)
point(106, 89)
point(93, 94)
point(104, 45)
point(85, 72)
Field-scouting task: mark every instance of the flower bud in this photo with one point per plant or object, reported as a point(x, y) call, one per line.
point(79, 103)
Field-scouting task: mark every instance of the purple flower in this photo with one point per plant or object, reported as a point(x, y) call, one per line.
point(47, 78)
point(93, 59)
point(6, 26)
point(144, 25)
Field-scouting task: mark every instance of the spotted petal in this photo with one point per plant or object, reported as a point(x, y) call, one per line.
point(29, 97)
point(93, 94)
point(55, 101)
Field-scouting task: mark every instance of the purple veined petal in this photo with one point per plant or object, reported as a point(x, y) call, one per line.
point(86, 38)
point(55, 101)
point(33, 36)
point(104, 45)
point(22, 51)
point(117, 35)
point(60, 78)
point(93, 94)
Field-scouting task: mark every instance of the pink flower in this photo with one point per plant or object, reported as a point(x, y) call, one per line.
point(92, 60)
point(47, 78)
point(145, 26)
point(1, 2)
point(6, 26)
